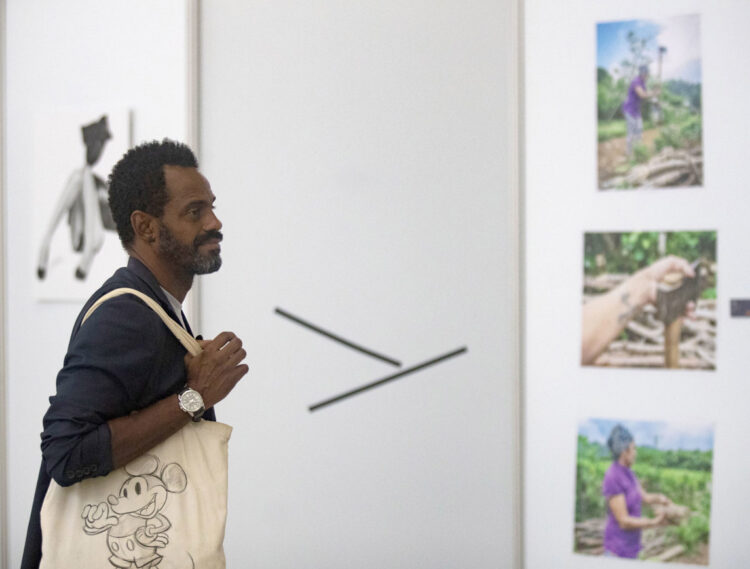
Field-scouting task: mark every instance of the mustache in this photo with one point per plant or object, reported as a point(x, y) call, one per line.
point(208, 236)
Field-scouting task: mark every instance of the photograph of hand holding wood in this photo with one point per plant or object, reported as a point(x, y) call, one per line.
point(643, 490)
point(649, 300)
point(649, 108)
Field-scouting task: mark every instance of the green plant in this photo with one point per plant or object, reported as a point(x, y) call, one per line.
point(692, 531)
point(628, 252)
point(607, 130)
point(641, 153)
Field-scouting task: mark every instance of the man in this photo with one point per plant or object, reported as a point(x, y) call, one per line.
point(124, 359)
point(631, 108)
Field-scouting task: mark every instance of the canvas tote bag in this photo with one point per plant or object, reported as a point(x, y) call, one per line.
point(167, 509)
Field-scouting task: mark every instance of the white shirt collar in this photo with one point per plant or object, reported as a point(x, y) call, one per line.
point(176, 306)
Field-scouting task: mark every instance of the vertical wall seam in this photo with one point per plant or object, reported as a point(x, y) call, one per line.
point(193, 88)
point(4, 554)
point(521, 248)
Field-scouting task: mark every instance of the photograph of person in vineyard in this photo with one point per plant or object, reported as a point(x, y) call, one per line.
point(649, 300)
point(624, 494)
point(631, 108)
point(649, 127)
point(643, 490)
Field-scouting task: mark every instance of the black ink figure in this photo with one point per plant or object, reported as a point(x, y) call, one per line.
point(135, 526)
point(84, 199)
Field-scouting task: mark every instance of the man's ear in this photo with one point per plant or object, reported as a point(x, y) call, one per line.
point(144, 226)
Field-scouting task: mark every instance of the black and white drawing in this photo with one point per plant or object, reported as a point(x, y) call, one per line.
point(84, 202)
point(136, 529)
point(75, 244)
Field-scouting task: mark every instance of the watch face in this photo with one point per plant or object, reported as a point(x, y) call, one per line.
point(191, 401)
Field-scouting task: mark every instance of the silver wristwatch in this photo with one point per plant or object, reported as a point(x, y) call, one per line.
point(191, 402)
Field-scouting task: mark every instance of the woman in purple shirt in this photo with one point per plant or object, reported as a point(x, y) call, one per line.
point(631, 108)
point(624, 494)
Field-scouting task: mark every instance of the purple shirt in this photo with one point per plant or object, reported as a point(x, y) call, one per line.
point(632, 104)
point(621, 480)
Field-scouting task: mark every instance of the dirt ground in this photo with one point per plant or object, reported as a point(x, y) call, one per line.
point(612, 153)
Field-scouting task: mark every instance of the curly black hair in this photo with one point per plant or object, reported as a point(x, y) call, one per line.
point(137, 182)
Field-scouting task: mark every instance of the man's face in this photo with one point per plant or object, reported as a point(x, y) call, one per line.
point(189, 233)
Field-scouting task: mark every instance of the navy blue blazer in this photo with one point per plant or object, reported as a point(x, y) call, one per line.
point(121, 360)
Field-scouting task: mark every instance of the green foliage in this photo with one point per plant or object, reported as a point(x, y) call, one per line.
point(628, 252)
point(590, 469)
point(610, 94)
point(683, 486)
point(606, 130)
point(686, 459)
point(691, 532)
point(690, 92)
point(682, 133)
point(669, 135)
point(692, 245)
point(641, 153)
point(692, 129)
point(621, 252)
point(709, 293)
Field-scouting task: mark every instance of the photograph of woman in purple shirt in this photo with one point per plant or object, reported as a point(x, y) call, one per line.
point(624, 495)
point(631, 108)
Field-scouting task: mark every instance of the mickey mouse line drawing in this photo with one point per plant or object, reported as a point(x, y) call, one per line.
point(135, 527)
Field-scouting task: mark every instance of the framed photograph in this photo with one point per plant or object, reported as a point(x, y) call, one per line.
point(649, 300)
point(643, 490)
point(649, 107)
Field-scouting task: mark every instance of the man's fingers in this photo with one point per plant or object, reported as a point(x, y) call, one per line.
point(236, 374)
point(680, 264)
point(237, 357)
point(239, 372)
point(232, 346)
point(218, 343)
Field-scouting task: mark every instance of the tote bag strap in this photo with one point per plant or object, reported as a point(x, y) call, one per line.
point(190, 343)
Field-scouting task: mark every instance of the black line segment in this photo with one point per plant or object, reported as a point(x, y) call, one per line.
point(337, 338)
point(385, 380)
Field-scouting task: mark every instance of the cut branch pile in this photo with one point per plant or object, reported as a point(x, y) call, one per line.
point(669, 167)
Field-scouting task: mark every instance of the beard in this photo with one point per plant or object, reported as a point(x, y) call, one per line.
point(189, 257)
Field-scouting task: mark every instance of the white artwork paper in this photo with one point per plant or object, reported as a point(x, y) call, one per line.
point(75, 245)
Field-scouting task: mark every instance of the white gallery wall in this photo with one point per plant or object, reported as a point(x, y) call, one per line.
point(561, 203)
point(68, 55)
point(364, 162)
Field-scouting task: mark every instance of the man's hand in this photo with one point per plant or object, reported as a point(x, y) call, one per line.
point(216, 371)
point(648, 278)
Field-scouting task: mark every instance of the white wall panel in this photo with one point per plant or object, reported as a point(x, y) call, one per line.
point(363, 156)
